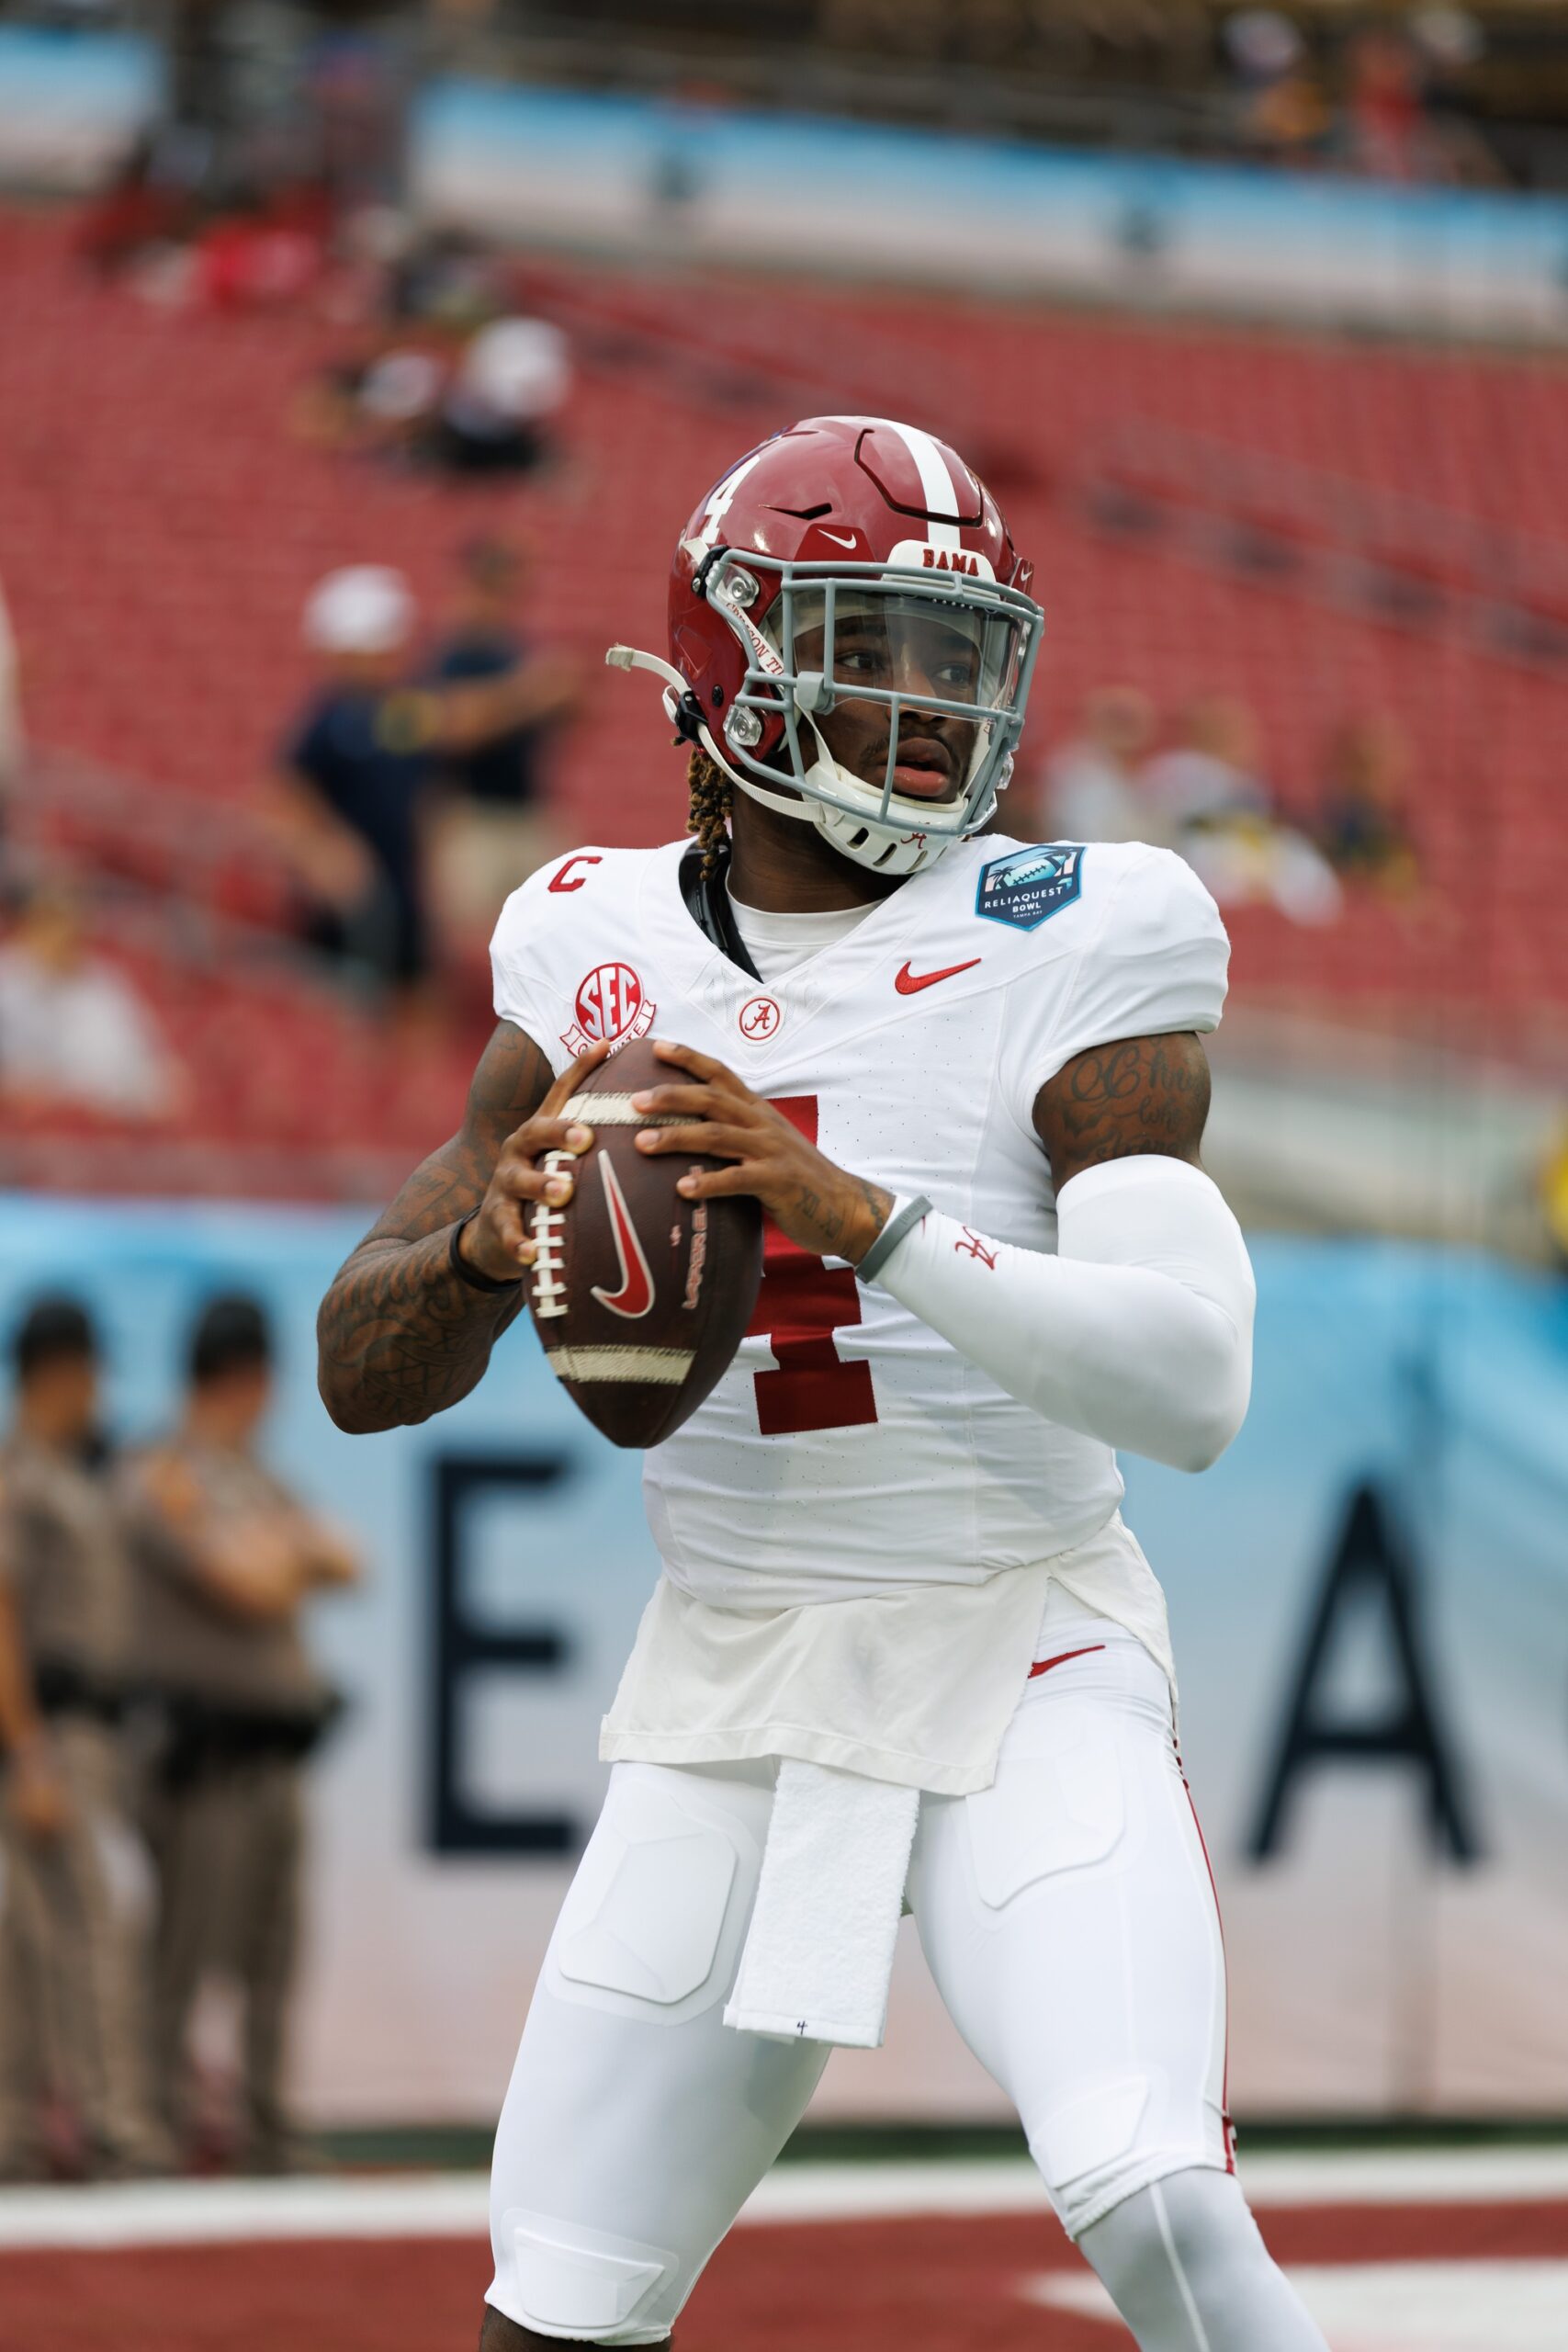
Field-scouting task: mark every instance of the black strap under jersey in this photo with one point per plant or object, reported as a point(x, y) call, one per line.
point(707, 903)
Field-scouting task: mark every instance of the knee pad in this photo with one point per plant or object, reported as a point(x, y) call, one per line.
point(653, 1922)
point(1111, 2139)
point(560, 2278)
point(1088, 2152)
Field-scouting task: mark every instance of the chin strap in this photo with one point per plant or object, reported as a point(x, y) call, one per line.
point(685, 714)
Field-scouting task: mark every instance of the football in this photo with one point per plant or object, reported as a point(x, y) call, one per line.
point(640, 1296)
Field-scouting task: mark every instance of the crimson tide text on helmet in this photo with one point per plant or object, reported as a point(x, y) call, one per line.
point(850, 559)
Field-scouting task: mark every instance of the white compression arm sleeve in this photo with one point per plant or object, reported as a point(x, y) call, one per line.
point(1139, 1331)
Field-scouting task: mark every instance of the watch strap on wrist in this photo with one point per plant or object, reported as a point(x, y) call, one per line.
point(905, 1215)
point(471, 1275)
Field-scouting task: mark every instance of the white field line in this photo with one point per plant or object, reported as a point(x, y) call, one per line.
point(438, 2205)
point(1390, 2306)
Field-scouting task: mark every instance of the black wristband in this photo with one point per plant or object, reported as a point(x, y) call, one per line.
point(471, 1275)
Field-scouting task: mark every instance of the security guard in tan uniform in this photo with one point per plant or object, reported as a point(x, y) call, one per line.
point(68, 1989)
point(226, 1556)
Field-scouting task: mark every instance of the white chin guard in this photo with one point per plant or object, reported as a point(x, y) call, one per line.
point(885, 849)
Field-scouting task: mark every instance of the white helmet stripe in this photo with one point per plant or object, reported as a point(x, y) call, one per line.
point(937, 485)
point(936, 482)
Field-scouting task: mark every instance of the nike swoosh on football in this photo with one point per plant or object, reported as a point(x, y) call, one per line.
point(635, 1295)
point(838, 538)
point(909, 983)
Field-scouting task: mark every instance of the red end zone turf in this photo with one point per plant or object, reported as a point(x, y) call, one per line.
point(952, 2284)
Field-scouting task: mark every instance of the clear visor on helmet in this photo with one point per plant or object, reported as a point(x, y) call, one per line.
point(911, 687)
point(902, 698)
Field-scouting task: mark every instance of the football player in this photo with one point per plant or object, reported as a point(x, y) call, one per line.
point(964, 1076)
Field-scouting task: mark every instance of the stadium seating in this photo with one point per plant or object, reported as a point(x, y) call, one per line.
point(160, 529)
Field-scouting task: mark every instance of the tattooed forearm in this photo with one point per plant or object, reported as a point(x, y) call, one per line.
point(1139, 1095)
point(846, 1225)
point(400, 1336)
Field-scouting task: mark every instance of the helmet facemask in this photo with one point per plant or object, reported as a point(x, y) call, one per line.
point(937, 666)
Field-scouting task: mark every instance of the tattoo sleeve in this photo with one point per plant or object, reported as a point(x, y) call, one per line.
point(1140, 1095)
point(399, 1336)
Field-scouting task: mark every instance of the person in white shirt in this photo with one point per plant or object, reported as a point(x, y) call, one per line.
point(73, 1028)
point(1092, 790)
point(1205, 796)
point(903, 1642)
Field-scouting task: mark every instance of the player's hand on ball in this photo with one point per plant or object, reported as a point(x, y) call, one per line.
point(498, 1242)
point(817, 1204)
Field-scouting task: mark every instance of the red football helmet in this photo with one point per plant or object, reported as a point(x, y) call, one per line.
point(850, 559)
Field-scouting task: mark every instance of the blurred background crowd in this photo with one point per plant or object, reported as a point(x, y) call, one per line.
point(335, 452)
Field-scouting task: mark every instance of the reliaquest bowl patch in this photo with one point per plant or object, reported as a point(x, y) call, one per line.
point(1029, 886)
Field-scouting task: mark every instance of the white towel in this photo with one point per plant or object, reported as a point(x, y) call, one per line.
point(818, 1955)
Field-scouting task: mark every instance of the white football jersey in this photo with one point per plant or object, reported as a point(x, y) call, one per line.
point(847, 1450)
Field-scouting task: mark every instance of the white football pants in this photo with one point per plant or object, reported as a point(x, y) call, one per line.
point(1068, 1918)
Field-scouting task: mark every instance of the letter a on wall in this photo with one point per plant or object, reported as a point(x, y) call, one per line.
point(1369, 1564)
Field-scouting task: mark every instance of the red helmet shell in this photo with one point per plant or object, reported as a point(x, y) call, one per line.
point(830, 490)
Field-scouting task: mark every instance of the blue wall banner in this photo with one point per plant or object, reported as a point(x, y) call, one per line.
point(1369, 1600)
point(682, 183)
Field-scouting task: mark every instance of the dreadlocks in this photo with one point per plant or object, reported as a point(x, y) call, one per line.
point(708, 816)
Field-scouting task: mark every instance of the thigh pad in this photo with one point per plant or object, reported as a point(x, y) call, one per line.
point(1059, 1802)
point(653, 1922)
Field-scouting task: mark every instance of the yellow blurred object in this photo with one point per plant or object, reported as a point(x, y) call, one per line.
point(1554, 1193)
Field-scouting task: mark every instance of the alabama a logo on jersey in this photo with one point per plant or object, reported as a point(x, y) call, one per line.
point(1028, 885)
point(611, 1002)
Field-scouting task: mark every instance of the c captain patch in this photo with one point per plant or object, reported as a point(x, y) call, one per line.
point(1029, 886)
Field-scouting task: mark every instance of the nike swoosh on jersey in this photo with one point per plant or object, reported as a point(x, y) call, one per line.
point(635, 1295)
point(909, 983)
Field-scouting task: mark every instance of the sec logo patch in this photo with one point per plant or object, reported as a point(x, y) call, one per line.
point(1029, 886)
point(759, 1020)
point(611, 1003)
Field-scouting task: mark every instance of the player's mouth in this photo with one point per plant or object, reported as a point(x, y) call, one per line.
point(925, 768)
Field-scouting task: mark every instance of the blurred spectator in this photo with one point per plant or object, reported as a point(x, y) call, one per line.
point(352, 805)
point(357, 769)
point(495, 825)
point(11, 738)
point(1092, 788)
point(1284, 117)
point(1363, 832)
point(1386, 127)
point(360, 79)
point(496, 414)
point(73, 1028)
point(1209, 798)
point(1448, 42)
point(1209, 773)
point(69, 2005)
point(226, 1557)
point(446, 277)
point(488, 411)
point(380, 402)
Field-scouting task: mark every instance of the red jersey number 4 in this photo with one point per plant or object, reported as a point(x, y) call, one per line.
point(802, 1302)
